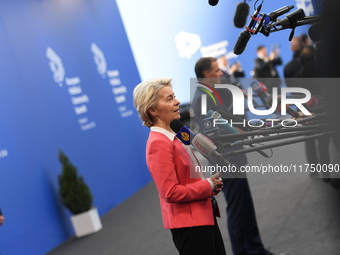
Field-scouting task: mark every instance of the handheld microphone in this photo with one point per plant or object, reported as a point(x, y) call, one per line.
point(213, 2)
point(241, 14)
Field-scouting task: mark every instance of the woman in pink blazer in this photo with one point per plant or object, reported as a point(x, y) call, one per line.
point(185, 195)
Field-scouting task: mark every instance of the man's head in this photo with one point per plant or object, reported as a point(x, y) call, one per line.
point(296, 44)
point(207, 69)
point(261, 51)
point(222, 61)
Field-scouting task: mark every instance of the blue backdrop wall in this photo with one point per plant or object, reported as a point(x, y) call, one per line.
point(68, 69)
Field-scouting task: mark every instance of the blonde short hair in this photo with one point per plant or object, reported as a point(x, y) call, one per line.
point(145, 97)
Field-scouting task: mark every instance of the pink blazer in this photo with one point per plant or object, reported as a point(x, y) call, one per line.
point(184, 198)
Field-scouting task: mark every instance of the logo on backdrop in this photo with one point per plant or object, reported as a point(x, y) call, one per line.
point(187, 44)
point(78, 98)
point(119, 90)
point(3, 153)
point(215, 50)
point(56, 66)
point(99, 59)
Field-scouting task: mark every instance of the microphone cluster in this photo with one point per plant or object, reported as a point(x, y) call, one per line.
point(225, 131)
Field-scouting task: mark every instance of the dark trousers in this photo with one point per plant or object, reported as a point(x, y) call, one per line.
point(242, 225)
point(202, 240)
point(317, 152)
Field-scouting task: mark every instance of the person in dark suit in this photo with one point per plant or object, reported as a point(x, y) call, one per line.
point(265, 67)
point(294, 65)
point(241, 218)
point(2, 218)
point(186, 195)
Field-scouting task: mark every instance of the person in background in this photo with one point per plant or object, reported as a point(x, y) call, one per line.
point(2, 218)
point(306, 41)
point(265, 67)
point(187, 201)
point(233, 71)
point(241, 218)
point(294, 65)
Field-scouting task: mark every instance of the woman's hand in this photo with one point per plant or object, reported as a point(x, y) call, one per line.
point(217, 181)
point(2, 220)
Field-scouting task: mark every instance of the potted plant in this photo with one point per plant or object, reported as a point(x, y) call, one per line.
point(77, 197)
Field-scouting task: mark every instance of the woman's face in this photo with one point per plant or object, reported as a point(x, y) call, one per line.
point(168, 106)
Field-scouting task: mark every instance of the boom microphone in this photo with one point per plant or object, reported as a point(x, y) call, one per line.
point(241, 42)
point(241, 14)
point(245, 35)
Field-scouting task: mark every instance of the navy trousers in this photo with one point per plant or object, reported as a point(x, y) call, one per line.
point(242, 225)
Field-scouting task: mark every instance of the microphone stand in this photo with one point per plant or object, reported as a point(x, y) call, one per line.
point(267, 146)
point(304, 21)
point(268, 131)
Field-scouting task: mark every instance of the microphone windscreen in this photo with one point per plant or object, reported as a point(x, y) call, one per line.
point(241, 15)
point(241, 42)
point(176, 125)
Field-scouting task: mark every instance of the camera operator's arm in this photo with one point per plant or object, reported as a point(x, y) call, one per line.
point(274, 57)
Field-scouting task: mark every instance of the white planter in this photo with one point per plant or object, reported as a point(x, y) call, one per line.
point(86, 223)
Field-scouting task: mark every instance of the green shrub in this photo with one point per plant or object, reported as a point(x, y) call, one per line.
point(75, 193)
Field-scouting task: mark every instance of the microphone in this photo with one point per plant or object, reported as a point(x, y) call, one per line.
point(261, 90)
point(210, 129)
point(202, 144)
point(231, 130)
point(245, 35)
point(241, 14)
point(273, 15)
point(288, 109)
point(290, 19)
point(240, 122)
point(222, 122)
point(241, 42)
point(313, 103)
point(213, 2)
